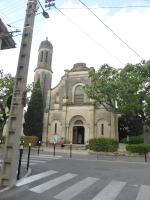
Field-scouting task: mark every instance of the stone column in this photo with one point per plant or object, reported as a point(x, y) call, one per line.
point(45, 129)
point(95, 131)
point(67, 134)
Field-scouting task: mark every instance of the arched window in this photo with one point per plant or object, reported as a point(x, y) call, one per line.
point(78, 122)
point(57, 97)
point(79, 94)
point(42, 56)
point(102, 129)
point(46, 56)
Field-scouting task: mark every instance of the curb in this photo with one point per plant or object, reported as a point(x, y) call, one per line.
point(29, 171)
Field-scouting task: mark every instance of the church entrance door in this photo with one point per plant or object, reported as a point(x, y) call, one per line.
point(78, 135)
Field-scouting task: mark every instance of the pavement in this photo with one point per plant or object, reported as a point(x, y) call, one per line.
point(80, 154)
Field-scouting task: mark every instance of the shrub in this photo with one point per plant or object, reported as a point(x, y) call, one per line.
point(29, 139)
point(3, 138)
point(103, 144)
point(133, 140)
point(66, 142)
point(138, 148)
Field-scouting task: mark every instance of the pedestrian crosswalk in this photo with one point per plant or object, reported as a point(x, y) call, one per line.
point(37, 159)
point(111, 191)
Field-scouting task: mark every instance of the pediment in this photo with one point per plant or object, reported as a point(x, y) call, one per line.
point(79, 67)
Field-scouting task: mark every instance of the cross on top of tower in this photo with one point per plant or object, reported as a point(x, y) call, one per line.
point(46, 38)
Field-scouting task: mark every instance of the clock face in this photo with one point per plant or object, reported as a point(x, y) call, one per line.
point(79, 90)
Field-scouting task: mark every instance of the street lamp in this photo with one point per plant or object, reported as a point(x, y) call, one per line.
point(45, 14)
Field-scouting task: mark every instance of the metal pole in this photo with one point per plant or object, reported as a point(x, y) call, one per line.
point(70, 150)
point(23, 146)
point(54, 149)
point(145, 154)
point(19, 166)
point(38, 147)
point(11, 149)
point(28, 155)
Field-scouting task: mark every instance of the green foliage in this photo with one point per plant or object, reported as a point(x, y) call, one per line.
point(34, 116)
point(66, 142)
point(29, 139)
point(133, 140)
point(129, 87)
point(138, 148)
point(103, 144)
point(127, 127)
point(6, 85)
point(3, 138)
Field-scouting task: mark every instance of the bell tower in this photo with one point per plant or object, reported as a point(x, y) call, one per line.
point(44, 69)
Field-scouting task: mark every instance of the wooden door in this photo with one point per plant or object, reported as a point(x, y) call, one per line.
point(75, 135)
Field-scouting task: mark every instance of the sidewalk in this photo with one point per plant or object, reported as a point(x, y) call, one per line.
point(121, 156)
point(23, 174)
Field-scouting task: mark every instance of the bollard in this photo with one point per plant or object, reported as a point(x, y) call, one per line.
point(54, 149)
point(70, 150)
point(19, 166)
point(28, 156)
point(23, 146)
point(39, 147)
point(145, 154)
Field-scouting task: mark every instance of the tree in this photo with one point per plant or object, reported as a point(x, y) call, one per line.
point(127, 127)
point(6, 90)
point(33, 124)
point(129, 88)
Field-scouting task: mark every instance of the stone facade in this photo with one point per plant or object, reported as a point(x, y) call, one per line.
point(68, 112)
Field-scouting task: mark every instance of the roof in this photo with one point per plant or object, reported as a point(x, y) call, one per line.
point(79, 67)
point(46, 44)
point(7, 40)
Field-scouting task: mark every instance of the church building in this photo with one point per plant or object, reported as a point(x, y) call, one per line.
point(68, 114)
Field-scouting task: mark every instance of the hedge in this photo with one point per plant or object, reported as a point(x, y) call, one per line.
point(133, 140)
point(27, 139)
point(103, 144)
point(138, 148)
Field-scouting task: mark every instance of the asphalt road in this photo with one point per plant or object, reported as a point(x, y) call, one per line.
point(81, 177)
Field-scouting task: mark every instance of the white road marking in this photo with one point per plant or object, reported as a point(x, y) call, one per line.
point(40, 158)
point(25, 163)
point(111, 191)
point(50, 184)
point(35, 177)
point(44, 156)
point(76, 189)
point(144, 193)
point(37, 161)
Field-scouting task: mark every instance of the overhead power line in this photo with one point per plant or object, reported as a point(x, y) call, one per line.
point(90, 36)
point(112, 31)
point(117, 7)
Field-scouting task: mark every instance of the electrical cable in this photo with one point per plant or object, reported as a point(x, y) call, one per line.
point(7, 6)
point(14, 10)
point(13, 7)
point(111, 7)
point(90, 37)
point(112, 31)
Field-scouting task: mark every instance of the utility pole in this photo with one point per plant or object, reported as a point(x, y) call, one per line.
point(11, 149)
